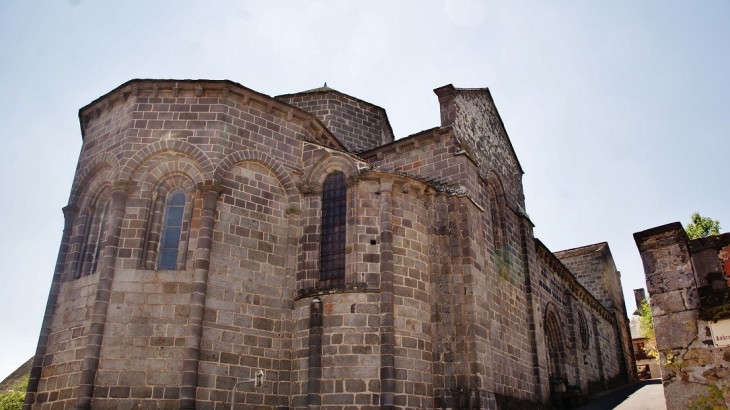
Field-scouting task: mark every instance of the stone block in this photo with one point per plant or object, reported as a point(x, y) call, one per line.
point(676, 331)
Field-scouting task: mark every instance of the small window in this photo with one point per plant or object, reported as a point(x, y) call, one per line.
point(332, 254)
point(171, 231)
point(100, 236)
point(93, 238)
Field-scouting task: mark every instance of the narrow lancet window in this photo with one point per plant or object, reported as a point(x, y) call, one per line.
point(334, 208)
point(171, 231)
point(100, 236)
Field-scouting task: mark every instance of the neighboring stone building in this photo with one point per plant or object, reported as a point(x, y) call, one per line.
point(647, 367)
point(213, 230)
point(689, 288)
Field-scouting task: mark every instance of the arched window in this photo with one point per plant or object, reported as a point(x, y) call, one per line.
point(171, 230)
point(583, 330)
point(100, 236)
point(555, 346)
point(93, 237)
point(332, 253)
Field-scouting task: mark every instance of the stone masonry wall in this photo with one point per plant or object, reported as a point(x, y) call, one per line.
point(67, 340)
point(357, 124)
point(688, 289)
point(594, 268)
point(411, 288)
point(443, 296)
point(247, 292)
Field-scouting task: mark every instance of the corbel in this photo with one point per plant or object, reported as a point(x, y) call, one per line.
point(155, 91)
point(198, 90)
point(97, 113)
point(405, 188)
point(176, 90)
point(123, 97)
point(107, 105)
point(380, 156)
point(269, 107)
point(397, 149)
point(135, 90)
point(289, 115)
point(225, 92)
point(245, 99)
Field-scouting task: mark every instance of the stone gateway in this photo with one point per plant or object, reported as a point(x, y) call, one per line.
point(213, 231)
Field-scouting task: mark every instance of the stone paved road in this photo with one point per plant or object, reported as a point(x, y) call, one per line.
point(647, 395)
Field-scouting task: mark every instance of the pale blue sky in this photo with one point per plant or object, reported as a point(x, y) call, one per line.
point(618, 110)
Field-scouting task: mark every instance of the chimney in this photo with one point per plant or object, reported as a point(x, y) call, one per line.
point(639, 295)
point(446, 102)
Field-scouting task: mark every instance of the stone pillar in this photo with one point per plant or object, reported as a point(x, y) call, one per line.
point(119, 195)
point(446, 96)
point(672, 288)
point(69, 214)
point(387, 320)
point(671, 284)
point(194, 330)
point(527, 244)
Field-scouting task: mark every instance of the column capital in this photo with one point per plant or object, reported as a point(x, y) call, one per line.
point(386, 185)
point(208, 188)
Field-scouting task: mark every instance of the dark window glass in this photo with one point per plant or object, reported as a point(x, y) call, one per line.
point(171, 229)
point(334, 208)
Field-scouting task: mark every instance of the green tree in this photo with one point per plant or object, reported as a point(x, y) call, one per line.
point(14, 398)
point(646, 326)
point(702, 226)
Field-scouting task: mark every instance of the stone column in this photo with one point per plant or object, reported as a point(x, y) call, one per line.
point(194, 330)
point(119, 195)
point(671, 284)
point(314, 373)
point(69, 214)
point(387, 321)
point(672, 287)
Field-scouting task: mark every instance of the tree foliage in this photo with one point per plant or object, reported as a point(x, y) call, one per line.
point(701, 226)
point(14, 398)
point(646, 327)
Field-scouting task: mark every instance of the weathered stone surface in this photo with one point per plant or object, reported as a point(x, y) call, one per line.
point(215, 267)
point(691, 366)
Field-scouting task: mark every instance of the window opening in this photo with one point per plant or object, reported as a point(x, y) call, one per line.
point(171, 231)
point(334, 208)
point(583, 328)
point(100, 236)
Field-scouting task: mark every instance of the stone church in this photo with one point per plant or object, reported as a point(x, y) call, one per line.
point(212, 231)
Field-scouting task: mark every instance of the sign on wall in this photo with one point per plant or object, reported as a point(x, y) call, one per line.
point(721, 333)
